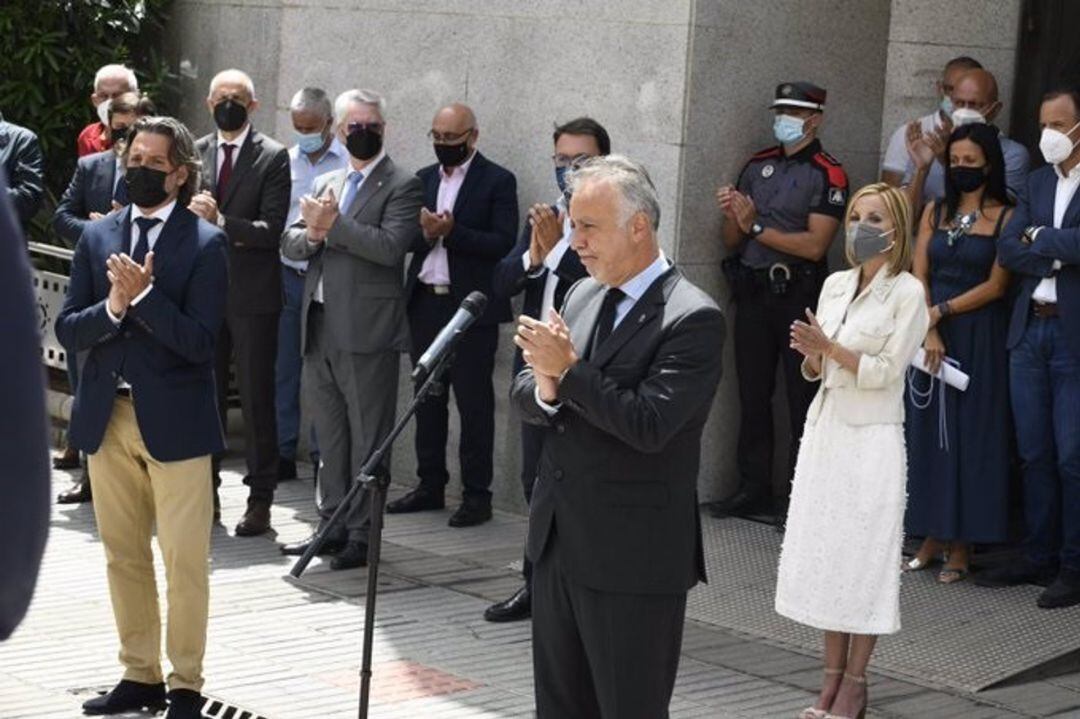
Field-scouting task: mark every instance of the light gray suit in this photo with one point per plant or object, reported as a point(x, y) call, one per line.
point(352, 340)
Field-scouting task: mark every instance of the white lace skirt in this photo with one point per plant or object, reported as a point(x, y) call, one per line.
point(840, 560)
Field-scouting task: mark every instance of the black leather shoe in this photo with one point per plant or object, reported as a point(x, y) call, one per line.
point(353, 555)
point(256, 519)
point(330, 546)
point(741, 504)
point(80, 491)
point(470, 514)
point(68, 460)
point(1064, 592)
point(1013, 573)
point(125, 697)
point(517, 607)
point(185, 704)
point(286, 469)
point(418, 500)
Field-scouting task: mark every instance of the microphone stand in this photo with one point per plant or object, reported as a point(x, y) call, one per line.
point(377, 482)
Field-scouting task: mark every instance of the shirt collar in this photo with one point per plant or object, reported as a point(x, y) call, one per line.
point(368, 168)
point(635, 287)
point(1073, 173)
point(161, 214)
point(239, 140)
point(462, 169)
point(806, 153)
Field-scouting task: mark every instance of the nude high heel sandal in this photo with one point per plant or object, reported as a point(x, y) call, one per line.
point(811, 712)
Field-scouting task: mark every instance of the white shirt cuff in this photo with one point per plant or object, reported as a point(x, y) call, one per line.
point(139, 297)
point(115, 320)
point(549, 409)
point(555, 256)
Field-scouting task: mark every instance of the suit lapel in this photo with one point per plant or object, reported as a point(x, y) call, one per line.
point(1071, 218)
point(372, 184)
point(209, 165)
point(584, 326)
point(164, 247)
point(109, 173)
point(431, 189)
point(471, 178)
point(244, 160)
point(121, 234)
point(643, 311)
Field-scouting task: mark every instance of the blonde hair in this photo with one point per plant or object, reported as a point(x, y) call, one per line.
point(899, 210)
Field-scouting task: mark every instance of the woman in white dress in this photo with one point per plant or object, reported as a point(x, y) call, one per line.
point(840, 561)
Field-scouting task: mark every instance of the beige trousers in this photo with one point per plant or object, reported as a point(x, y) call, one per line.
point(132, 490)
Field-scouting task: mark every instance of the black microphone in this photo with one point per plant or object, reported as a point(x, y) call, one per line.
point(471, 308)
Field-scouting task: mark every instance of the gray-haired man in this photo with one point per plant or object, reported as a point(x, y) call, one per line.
point(316, 152)
point(354, 229)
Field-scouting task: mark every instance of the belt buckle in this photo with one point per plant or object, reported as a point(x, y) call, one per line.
point(440, 289)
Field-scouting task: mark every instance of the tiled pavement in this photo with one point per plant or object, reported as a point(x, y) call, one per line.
point(286, 649)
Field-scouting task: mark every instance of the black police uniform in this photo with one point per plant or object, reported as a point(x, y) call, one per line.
point(772, 289)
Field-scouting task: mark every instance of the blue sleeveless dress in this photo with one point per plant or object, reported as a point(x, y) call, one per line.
point(958, 466)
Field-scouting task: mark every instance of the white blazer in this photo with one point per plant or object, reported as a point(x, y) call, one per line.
point(886, 325)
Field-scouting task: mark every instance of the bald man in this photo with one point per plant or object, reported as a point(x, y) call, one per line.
point(974, 99)
point(469, 223)
point(246, 186)
point(110, 82)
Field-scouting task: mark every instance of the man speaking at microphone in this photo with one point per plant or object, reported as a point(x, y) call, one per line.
point(355, 232)
point(622, 383)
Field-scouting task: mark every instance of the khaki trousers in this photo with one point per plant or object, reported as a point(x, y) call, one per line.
point(131, 491)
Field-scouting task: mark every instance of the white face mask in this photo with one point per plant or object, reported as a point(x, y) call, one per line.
point(103, 111)
point(1056, 145)
point(966, 116)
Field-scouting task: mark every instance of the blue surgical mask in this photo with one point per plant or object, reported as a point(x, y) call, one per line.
point(947, 107)
point(788, 129)
point(311, 142)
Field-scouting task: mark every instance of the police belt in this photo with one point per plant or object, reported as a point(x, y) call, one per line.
point(782, 270)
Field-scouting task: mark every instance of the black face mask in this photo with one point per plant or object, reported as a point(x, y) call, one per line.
point(363, 143)
point(230, 115)
point(967, 179)
point(452, 155)
point(146, 186)
point(119, 134)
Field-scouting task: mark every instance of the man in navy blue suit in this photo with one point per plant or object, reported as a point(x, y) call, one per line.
point(544, 266)
point(1042, 245)
point(469, 220)
point(24, 453)
point(95, 190)
point(143, 309)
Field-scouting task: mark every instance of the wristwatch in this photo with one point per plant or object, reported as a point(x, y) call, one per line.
point(1029, 235)
point(756, 229)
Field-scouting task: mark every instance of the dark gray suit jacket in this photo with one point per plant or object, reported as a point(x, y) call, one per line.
point(618, 474)
point(90, 190)
point(256, 205)
point(362, 260)
point(21, 158)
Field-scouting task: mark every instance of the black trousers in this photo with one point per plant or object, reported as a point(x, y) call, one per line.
point(601, 655)
point(532, 444)
point(470, 376)
point(763, 338)
point(252, 341)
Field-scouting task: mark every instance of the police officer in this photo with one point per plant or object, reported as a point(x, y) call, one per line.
point(778, 223)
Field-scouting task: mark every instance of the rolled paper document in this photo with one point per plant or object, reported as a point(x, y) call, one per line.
point(947, 373)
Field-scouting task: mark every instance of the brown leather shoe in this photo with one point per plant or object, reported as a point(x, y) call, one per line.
point(79, 493)
point(69, 459)
point(256, 519)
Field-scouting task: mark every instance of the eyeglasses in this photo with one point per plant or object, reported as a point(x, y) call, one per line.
point(356, 126)
point(567, 161)
point(449, 138)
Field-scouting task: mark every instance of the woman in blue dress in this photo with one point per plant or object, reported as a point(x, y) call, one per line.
point(958, 442)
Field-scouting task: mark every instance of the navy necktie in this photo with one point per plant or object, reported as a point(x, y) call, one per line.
point(142, 243)
point(605, 324)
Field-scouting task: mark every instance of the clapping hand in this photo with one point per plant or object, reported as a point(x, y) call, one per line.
point(548, 349)
point(435, 224)
point(547, 230)
point(808, 338)
point(319, 214)
point(205, 206)
point(737, 207)
point(918, 149)
point(128, 279)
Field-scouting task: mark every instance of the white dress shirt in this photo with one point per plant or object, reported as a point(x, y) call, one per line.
point(632, 290)
point(1046, 291)
point(436, 267)
point(365, 174)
